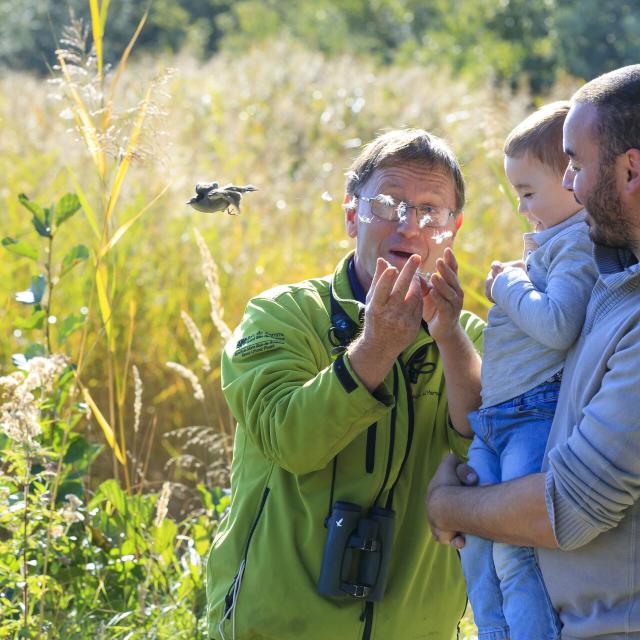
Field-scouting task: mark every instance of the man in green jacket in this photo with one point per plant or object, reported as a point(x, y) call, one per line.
point(348, 391)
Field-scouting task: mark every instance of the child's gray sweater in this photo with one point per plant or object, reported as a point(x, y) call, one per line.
point(593, 465)
point(539, 312)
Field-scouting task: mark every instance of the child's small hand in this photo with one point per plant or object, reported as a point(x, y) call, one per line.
point(496, 268)
point(516, 264)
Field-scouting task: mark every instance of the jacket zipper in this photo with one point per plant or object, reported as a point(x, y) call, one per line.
point(410, 414)
point(228, 600)
point(392, 435)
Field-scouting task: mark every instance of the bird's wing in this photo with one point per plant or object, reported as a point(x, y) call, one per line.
point(203, 187)
point(233, 187)
point(232, 197)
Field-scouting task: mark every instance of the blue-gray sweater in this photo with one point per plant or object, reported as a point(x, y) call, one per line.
point(593, 465)
point(539, 312)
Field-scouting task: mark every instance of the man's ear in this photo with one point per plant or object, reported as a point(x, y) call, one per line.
point(632, 169)
point(350, 213)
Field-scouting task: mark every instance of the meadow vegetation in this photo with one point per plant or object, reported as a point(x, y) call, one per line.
point(117, 298)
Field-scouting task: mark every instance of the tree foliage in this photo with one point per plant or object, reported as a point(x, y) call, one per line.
point(517, 43)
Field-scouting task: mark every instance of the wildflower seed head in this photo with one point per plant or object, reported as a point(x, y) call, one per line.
point(162, 505)
point(196, 338)
point(210, 273)
point(187, 374)
point(137, 401)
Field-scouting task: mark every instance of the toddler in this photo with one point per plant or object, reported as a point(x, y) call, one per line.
point(539, 310)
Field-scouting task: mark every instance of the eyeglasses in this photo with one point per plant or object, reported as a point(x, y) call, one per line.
point(430, 216)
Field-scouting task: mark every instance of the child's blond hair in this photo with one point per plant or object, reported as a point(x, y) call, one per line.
point(540, 136)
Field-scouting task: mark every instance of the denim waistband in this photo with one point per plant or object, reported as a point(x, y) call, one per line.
point(556, 377)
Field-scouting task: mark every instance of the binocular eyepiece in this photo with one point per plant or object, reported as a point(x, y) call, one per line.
point(357, 553)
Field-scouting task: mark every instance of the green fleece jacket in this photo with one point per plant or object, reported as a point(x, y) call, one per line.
point(299, 405)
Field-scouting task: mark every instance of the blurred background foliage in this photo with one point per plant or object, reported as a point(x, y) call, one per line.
point(279, 94)
point(519, 43)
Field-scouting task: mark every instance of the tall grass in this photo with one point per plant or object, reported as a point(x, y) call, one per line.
point(283, 118)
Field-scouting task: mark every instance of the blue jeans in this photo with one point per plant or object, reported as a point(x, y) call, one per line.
point(504, 584)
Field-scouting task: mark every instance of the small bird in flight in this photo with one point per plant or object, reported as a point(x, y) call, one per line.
point(210, 197)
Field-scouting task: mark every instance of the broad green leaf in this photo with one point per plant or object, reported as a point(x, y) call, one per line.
point(67, 326)
point(78, 254)
point(77, 449)
point(43, 230)
point(164, 535)
point(34, 207)
point(115, 495)
point(20, 248)
point(207, 498)
point(33, 295)
point(34, 321)
point(68, 486)
point(68, 205)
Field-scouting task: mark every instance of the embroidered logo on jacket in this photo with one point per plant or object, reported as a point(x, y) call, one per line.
point(258, 342)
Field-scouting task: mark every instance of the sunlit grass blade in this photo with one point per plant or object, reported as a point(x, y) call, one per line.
point(86, 207)
point(86, 126)
point(97, 31)
point(104, 10)
point(104, 425)
point(122, 389)
point(125, 227)
point(102, 279)
point(126, 161)
point(121, 66)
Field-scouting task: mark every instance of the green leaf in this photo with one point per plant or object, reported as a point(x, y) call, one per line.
point(68, 326)
point(34, 207)
point(34, 321)
point(33, 295)
point(111, 490)
point(67, 206)
point(34, 350)
point(41, 217)
point(81, 451)
point(78, 254)
point(164, 535)
point(69, 486)
point(20, 248)
point(43, 229)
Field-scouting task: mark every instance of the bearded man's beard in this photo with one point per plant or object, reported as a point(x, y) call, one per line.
point(609, 225)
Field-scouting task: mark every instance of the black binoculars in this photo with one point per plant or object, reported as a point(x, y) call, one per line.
point(357, 553)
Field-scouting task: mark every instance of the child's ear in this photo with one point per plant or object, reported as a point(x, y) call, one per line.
point(459, 219)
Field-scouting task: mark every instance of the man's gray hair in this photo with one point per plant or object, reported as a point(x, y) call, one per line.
point(616, 95)
point(406, 145)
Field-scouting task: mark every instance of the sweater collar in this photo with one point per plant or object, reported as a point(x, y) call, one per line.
point(540, 237)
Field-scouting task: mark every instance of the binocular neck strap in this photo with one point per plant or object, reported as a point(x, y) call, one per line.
point(333, 486)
